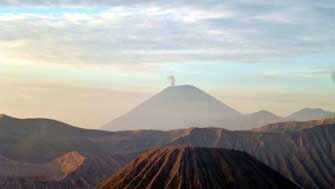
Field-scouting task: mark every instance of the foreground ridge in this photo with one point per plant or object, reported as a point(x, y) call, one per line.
point(196, 167)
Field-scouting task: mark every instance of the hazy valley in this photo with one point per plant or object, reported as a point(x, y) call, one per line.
point(44, 153)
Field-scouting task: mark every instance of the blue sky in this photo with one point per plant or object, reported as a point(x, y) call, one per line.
point(274, 55)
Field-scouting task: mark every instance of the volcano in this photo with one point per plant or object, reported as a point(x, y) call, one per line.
point(196, 168)
point(174, 108)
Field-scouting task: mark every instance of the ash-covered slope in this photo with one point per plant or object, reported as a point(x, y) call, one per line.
point(196, 168)
point(174, 108)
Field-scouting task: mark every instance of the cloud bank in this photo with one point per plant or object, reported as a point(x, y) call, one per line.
point(145, 35)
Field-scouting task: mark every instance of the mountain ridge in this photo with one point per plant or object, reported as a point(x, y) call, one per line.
point(294, 126)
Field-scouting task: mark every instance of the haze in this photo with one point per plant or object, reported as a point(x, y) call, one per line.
point(89, 62)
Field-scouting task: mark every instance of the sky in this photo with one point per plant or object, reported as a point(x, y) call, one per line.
point(87, 62)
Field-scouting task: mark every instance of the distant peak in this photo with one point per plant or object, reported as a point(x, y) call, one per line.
point(174, 107)
point(311, 114)
point(183, 87)
point(187, 85)
point(313, 110)
point(3, 116)
point(264, 112)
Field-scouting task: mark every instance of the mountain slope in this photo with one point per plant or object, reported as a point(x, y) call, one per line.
point(196, 168)
point(40, 140)
point(41, 127)
point(310, 114)
point(174, 108)
point(305, 154)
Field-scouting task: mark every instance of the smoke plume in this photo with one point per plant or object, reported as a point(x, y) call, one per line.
point(172, 80)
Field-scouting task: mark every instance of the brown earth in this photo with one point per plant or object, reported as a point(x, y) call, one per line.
point(302, 151)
